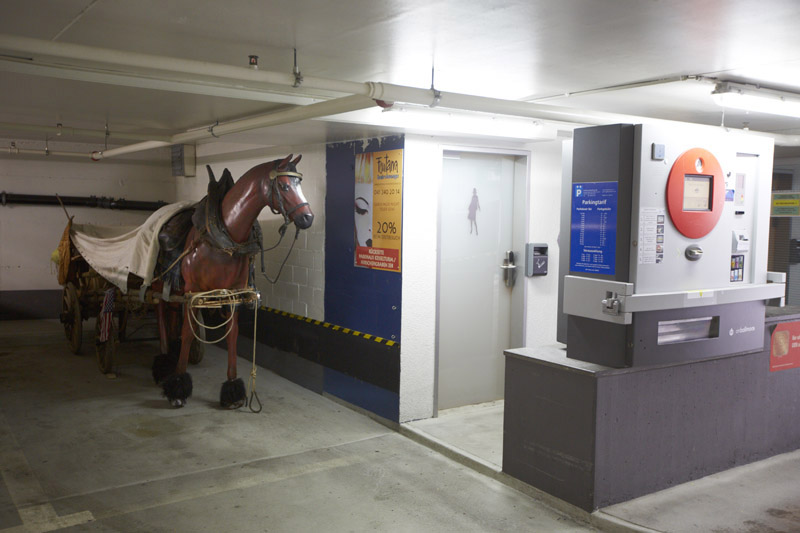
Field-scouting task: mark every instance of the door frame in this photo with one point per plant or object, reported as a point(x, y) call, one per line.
point(520, 227)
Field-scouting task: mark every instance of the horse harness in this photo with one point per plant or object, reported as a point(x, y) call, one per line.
point(273, 181)
point(210, 226)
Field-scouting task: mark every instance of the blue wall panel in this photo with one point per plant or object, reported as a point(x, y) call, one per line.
point(376, 399)
point(357, 298)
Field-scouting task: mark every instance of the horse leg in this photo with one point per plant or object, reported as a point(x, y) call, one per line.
point(162, 325)
point(232, 395)
point(178, 387)
point(164, 363)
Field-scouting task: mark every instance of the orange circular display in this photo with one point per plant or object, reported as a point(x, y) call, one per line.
point(695, 164)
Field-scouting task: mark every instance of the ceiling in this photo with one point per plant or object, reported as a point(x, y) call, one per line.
point(586, 54)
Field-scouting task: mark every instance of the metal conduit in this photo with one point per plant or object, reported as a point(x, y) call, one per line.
point(13, 150)
point(65, 131)
point(7, 198)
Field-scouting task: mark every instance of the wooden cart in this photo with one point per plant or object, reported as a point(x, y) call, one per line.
point(83, 296)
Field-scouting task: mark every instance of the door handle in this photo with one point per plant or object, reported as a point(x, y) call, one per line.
point(509, 269)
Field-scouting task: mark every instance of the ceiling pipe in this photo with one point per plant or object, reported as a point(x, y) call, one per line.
point(375, 90)
point(388, 92)
point(397, 93)
point(7, 198)
point(13, 150)
point(33, 47)
point(131, 148)
point(158, 80)
point(63, 131)
point(295, 114)
point(620, 87)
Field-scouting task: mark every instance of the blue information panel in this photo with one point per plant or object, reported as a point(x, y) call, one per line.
point(593, 227)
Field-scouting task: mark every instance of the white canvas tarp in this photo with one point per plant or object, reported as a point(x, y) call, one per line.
point(115, 251)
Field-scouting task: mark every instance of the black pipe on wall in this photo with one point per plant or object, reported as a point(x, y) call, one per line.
point(84, 201)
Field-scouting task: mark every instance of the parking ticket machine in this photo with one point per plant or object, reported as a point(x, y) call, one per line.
point(669, 231)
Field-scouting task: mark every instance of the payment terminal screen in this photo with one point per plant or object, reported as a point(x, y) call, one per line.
point(696, 193)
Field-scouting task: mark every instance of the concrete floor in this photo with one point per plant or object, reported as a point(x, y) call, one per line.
point(762, 497)
point(80, 451)
point(473, 430)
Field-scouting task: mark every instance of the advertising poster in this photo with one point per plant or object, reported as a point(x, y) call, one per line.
point(378, 209)
point(785, 347)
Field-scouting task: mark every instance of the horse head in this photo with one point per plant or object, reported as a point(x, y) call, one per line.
point(284, 195)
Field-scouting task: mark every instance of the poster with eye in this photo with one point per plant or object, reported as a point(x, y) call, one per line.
point(378, 209)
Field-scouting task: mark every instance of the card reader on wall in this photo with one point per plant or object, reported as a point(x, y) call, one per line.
point(741, 240)
point(535, 259)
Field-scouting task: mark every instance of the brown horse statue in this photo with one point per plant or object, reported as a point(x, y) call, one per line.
point(223, 237)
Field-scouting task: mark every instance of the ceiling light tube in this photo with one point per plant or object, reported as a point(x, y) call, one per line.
point(756, 99)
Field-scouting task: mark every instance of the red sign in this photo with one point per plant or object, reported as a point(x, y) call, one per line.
point(378, 258)
point(784, 350)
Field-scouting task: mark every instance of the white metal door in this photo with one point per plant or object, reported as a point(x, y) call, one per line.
point(476, 231)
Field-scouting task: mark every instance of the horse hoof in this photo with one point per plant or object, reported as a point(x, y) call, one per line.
point(232, 394)
point(177, 388)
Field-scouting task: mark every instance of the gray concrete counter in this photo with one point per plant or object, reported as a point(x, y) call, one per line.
point(594, 435)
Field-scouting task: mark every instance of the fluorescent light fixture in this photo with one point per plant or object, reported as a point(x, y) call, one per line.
point(423, 120)
point(757, 99)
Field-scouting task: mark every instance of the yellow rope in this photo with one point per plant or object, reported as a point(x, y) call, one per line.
point(216, 299)
point(253, 393)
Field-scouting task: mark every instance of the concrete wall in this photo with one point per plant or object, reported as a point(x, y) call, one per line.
point(301, 286)
point(29, 234)
point(423, 174)
point(543, 226)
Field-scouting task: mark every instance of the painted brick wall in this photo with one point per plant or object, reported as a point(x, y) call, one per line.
point(30, 233)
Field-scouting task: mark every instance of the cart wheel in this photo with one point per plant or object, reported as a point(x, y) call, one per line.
point(122, 318)
point(71, 317)
point(105, 350)
point(198, 349)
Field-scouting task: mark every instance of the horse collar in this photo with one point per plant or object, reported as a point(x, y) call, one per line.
point(207, 218)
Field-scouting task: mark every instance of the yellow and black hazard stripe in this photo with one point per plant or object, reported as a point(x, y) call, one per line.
point(332, 327)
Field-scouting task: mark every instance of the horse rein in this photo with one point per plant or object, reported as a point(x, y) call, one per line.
point(273, 180)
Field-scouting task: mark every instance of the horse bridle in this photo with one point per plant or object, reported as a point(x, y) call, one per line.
point(281, 210)
point(273, 181)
